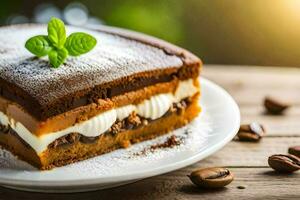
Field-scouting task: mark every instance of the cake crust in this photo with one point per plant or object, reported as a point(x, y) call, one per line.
point(121, 58)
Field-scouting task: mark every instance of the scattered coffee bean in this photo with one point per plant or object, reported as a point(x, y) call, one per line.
point(295, 150)
point(284, 163)
point(274, 106)
point(241, 187)
point(211, 177)
point(251, 132)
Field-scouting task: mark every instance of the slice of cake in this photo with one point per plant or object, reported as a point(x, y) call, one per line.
point(128, 89)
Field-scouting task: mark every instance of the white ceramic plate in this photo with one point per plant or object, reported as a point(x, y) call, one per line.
point(216, 126)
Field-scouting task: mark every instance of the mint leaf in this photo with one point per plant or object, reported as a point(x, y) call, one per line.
point(57, 46)
point(80, 43)
point(39, 45)
point(57, 32)
point(57, 57)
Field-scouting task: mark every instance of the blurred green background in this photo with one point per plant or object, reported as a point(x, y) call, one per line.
point(246, 32)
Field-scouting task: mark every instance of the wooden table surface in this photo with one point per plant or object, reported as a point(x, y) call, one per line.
point(248, 161)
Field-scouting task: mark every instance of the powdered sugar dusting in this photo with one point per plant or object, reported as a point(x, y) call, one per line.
point(194, 136)
point(7, 160)
point(113, 57)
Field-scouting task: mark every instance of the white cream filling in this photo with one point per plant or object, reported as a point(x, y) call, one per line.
point(152, 108)
point(156, 106)
point(4, 119)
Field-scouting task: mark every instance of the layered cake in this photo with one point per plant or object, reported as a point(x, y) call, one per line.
point(128, 89)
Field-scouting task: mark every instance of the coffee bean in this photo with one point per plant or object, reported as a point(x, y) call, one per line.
point(295, 150)
point(251, 132)
point(284, 163)
point(274, 106)
point(211, 177)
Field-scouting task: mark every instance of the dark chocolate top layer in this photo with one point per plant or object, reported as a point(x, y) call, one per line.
point(120, 58)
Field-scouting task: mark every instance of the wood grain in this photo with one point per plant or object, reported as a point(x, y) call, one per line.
point(259, 183)
point(248, 161)
point(247, 154)
point(249, 85)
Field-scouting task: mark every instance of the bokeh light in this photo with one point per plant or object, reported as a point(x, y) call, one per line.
point(76, 14)
point(44, 12)
point(17, 19)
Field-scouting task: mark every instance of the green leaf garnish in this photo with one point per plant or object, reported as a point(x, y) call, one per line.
point(57, 46)
point(57, 57)
point(39, 45)
point(80, 43)
point(57, 32)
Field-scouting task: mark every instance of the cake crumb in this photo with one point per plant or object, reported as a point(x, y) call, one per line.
point(125, 143)
point(169, 143)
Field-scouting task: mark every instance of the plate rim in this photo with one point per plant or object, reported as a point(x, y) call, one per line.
point(109, 179)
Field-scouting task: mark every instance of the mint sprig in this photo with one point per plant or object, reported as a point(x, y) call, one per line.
point(39, 45)
point(79, 43)
point(57, 32)
point(57, 57)
point(57, 45)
